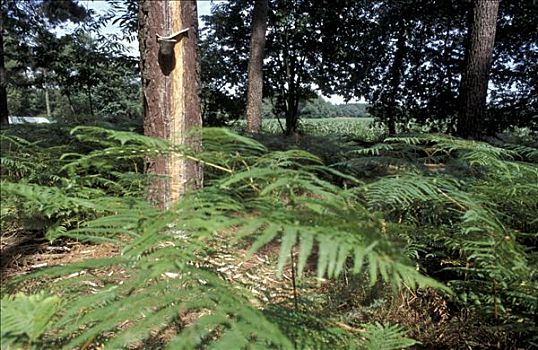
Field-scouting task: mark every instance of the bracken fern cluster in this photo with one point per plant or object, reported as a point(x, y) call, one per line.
point(437, 204)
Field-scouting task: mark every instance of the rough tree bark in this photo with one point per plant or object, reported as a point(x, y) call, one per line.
point(475, 76)
point(4, 112)
point(255, 67)
point(170, 79)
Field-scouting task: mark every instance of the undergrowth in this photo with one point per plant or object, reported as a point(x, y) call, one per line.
point(424, 211)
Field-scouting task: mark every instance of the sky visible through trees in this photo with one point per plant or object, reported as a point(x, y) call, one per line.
point(204, 9)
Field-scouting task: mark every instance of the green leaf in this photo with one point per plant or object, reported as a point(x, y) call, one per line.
point(27, 315)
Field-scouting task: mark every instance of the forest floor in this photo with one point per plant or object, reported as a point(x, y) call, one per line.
point(23, 253)
point(348, 302)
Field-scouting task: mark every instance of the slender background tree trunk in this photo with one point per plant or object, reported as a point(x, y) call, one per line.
point(171, 101)
point(90, 100)
point(292, 97)
point(47, 95)
point(395, 79)
point(475, 75)
point(67, 94)
point(255, 67)
point(4, 112)
point(47, 103)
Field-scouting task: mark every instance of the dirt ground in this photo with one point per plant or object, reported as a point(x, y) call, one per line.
point(23, 252)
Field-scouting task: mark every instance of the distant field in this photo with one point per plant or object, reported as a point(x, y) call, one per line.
point(335, 125)
point(363, 128)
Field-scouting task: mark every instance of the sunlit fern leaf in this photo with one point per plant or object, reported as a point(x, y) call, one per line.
point(374, 150)
point(403, 191)
point(525, 152)
point(99, 135)
point(25, 318)
point(380, 337)
point(475, 153)
point(338, 241)
point(317, 332)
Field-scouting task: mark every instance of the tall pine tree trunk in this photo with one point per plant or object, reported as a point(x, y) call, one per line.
point(170, 78)
point(4, 112)
point(475, 76)
point(255, 67)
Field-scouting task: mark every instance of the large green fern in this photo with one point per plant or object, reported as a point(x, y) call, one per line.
point(263, 195)
point(292, 198)
point(470, 207)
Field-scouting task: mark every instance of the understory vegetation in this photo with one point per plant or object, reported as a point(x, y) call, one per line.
point(371, 230)
point(268, 174)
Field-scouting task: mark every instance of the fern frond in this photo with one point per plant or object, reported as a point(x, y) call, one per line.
point(385, 337)
point(25, 318)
